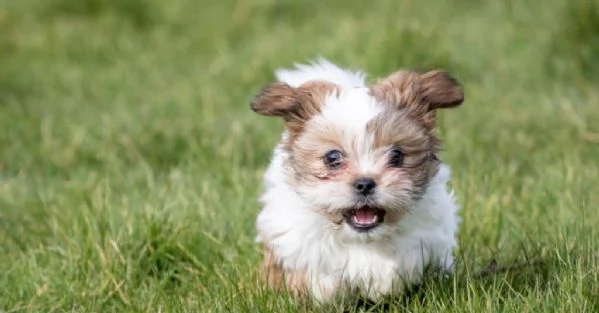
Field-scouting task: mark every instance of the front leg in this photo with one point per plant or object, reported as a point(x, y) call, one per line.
point(294, 282)
point(298, 283)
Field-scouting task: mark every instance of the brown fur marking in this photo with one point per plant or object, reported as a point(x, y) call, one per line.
point(307, 152)
point(295, 282)
point(396, 129)
point(295, 105)
point(275, 99)
point(419, 94)
point(441, 90)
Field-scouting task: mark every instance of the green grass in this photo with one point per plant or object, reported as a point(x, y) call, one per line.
point(130, 162)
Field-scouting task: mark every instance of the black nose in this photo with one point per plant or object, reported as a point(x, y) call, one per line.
point(364, 185)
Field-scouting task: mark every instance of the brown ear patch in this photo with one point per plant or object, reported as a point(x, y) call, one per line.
point(400, 89)
point(295, 105)
point(419, 94)
point(275, 99)
point(441, 90)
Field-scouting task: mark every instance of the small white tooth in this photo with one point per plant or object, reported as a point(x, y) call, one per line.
point(374, 219)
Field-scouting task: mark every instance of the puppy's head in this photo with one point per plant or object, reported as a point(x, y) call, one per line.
point(361, 156)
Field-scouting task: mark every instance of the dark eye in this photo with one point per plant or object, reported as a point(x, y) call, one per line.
point(333, 159)
point(395, 158)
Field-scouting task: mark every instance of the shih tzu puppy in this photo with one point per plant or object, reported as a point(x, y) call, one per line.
point(355, 197)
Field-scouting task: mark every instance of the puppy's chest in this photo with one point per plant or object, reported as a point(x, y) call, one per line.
point(364, 263)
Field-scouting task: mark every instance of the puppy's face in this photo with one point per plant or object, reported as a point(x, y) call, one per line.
point(361, 156)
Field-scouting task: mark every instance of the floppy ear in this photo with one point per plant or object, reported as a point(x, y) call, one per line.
point(275, 99)
point(295, 105)
point(419, 94)
point(441, 90)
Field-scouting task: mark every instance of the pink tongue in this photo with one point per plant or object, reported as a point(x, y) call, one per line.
point(365, 215)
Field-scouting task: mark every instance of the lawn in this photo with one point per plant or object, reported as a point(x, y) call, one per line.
point(130, 163)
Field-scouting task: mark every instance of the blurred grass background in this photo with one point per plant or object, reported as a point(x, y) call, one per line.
point(130, 163)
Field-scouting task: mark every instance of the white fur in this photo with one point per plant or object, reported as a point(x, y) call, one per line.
point(337, 258)
point(322, 69)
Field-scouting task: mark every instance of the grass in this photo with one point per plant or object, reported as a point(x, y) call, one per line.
point(130, 163)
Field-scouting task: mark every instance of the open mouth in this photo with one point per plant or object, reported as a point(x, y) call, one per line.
point(364, 218)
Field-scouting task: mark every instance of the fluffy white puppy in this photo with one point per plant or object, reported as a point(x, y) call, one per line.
point(355, 197)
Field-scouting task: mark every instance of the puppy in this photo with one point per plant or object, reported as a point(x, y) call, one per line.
point(355, 197)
